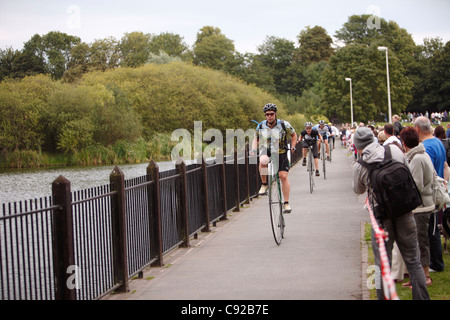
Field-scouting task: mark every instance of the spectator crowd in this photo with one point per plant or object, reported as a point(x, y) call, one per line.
point(414, 244)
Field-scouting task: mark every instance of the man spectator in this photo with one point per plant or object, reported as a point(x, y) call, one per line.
point(436, 151)
point(397, 125)
point(390, 137)
point(401, 229)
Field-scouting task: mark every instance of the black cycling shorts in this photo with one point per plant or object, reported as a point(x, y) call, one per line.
point(283, 159)
point(307, 143)
point(284, 162)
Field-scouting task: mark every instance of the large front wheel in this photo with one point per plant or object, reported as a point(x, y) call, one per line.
point(324, 160)
point(276, 208)
point(311, 171)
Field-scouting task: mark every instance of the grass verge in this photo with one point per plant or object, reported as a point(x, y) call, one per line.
point(439, 290)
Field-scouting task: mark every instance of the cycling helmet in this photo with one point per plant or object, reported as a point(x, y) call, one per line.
point(270, 107)
point(308, 125)
point(321, 123)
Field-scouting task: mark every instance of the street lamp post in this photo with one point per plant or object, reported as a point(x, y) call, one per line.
point(351, 99)
point(388, 82)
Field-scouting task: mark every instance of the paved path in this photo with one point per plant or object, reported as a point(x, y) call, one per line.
point(320, 257)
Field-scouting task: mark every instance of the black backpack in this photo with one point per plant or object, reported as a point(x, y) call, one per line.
point(393, 186)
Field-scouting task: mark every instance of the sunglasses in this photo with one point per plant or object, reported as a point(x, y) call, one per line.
point(270, 114)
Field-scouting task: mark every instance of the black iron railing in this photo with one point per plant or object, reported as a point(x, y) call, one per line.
point(84, 244)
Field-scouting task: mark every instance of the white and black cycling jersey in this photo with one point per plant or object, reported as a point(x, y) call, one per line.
point(325, 132)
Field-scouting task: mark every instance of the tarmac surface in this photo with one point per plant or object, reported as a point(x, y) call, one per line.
point(320, 258)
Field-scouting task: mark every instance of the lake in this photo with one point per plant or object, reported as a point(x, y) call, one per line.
point(25, 184)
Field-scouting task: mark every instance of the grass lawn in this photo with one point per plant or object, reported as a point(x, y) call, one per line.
point(439, 290)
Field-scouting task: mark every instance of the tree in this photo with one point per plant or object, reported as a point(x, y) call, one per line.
point(276, 54)
point(57, 47)
point(389, 34)
point(8, 58)
point(250, 69)
point(356, 31)
point(420, 74)
point(101, 55)
point(78, 63)
point(314, 45)
point(22, 112)
point(135, 49)
point(34, 49)
point(359, 30)
point(162, 58)
point(435, 77)
point(104, 54)
point(367, 68)
point(442, 73)
point(19, 64)
point(51, 51)
point(212, 48)
point(170, 43)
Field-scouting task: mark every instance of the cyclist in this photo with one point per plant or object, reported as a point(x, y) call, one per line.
point(335, 133)
point(272, 136)
point(325, 131)
point(310, 137)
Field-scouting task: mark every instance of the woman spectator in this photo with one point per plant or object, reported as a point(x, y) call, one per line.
point(422, 170)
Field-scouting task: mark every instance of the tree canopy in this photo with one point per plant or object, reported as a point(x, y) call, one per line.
point(106, 108)
point(306, 75)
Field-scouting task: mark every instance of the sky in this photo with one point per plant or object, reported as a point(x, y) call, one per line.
point(246, 22)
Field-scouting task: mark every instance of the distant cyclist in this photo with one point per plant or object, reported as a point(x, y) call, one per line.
point(310, 137)
point(273, 134)
point(335, 133)
point(325, 131)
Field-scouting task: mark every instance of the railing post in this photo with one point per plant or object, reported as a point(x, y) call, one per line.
point(220, 157)
point(247, 173)
point(256, 178)
point(205, 195)
point(154, 199)
point(119, 235)
point(181, 169)
point(236, 170)
point(62, 237)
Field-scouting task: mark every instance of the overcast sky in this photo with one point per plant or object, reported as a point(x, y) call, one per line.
point(246, 22)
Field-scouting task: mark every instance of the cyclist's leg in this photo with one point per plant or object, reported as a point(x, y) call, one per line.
point(327, 147)
point(316, 156)
point(304, 153)
point(263, 173)
point(319, 145)
point(283, 173)
point(285, 185)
